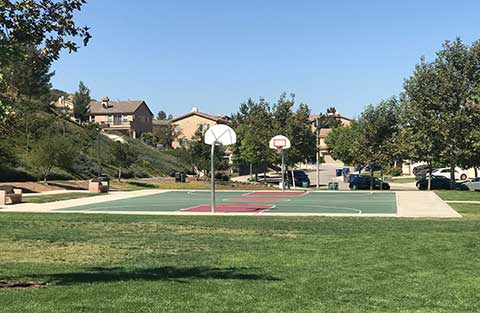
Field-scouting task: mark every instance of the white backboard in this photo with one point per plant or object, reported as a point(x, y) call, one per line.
point(220, 134)
point(279, 142)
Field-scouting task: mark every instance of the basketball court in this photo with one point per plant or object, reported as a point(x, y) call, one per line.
point(256, 203)
point(252, 202)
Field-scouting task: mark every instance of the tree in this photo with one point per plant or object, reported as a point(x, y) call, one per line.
point(123, 155)
point(161, 115)
point(378, 126)
point(328, 119)
point(52, 151)
point(303, 139)
point(201, 154)
point(166, 134)
point(81, 103)
point(253, 125)
point(33, 34)
point(457, 69)
point(43, 23)
point(296, 126)
point(149, 139)
point(343, 143)
point(421, 126)
point(442, 102)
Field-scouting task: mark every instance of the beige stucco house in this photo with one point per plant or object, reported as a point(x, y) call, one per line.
point(187, 125)
point(131, 118)
point(323, 147)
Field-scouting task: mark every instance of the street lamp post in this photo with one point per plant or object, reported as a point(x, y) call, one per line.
point(318, 151)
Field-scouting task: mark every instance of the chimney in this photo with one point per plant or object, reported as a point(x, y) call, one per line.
point(195, 109)
point(105, 101)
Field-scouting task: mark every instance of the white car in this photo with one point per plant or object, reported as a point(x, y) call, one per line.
point(445, 172)
point(473, 184)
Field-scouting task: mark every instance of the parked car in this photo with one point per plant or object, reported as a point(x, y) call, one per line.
point(366, 167)
point(445, 172)
point(438, 182)
point(301, 178)
point(363, 182)
point(473, 184)
point(420, 170)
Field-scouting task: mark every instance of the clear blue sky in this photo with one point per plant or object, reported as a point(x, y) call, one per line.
point(215, 54)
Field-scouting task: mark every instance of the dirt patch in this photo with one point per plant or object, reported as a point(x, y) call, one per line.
point(21, 284)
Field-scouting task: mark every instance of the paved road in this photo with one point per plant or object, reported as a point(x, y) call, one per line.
point(327, 174)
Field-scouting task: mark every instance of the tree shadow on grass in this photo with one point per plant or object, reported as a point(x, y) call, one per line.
point(167, 273)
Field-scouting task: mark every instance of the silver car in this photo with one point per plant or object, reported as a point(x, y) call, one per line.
point(473, 184)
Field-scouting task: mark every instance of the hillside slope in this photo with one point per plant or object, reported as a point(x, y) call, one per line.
point(151, 161)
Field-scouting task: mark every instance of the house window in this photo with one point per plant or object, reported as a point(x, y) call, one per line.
point(125, 118)
point(92, 118)
point(110, 118)
point(203, 127)
point(117, 119)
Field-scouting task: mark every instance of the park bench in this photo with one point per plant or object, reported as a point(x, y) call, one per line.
point(8, 192)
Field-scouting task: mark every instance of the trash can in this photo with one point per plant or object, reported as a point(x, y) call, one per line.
point(334, 186)
point(177, 177)
point(330, 185)
point(346, 171)
point(353, 178)
point(183, 177)
point(338, 172)
point(305, 184)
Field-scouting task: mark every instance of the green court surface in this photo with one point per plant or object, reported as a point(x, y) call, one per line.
point(254, 202)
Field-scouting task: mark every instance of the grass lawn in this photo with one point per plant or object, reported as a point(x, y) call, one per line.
point(137, 185)
point(59, 197)
point(102, 263)
point(403, 180)
point(458, 195)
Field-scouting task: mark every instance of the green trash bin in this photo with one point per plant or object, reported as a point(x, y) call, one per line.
point(335, 186)
point(305, 184)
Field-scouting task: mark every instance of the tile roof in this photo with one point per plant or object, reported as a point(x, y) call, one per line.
point(216, 118)
point(160, 122)
point(115, 107)
point(313, 117)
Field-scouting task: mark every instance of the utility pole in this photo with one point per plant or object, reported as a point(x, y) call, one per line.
point(318, 150)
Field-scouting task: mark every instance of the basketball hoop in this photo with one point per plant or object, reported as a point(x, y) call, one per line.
point(217, 135)
point(279, 142)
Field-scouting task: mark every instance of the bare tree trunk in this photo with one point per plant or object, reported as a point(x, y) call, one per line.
point(381, 178)
point(45, 174)
point(265, 174)
point(476, 171)
point(371, 178)
point(452, 175)
point(430, 170)
point(119, 174)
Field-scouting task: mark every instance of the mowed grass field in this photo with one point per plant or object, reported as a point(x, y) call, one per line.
point(101, 263)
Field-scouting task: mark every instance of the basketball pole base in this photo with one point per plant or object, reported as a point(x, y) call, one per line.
point(212, 175)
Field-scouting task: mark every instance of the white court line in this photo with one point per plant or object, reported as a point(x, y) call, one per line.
point(263, 211)
point(326, 207)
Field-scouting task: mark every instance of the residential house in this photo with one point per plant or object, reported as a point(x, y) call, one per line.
point(64, 104)
point(188, 124)
point(323, 147)
point(130, 118)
